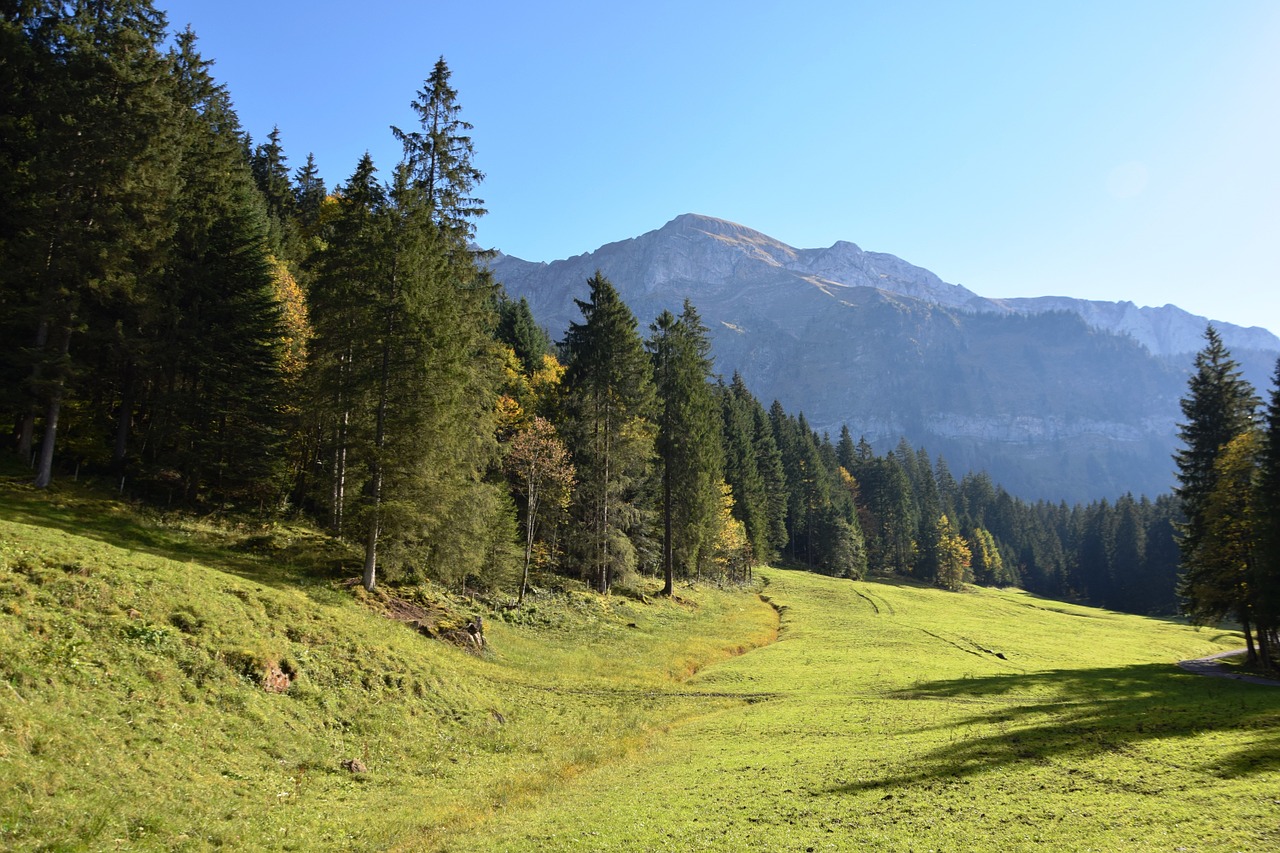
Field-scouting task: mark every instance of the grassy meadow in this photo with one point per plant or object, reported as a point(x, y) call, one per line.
point(139, 655)
point(895, 717)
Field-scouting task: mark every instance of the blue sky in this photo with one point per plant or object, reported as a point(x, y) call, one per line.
point(1106, 150)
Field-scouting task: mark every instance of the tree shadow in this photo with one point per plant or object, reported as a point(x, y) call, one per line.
point(1091, 712)
point(290, 561)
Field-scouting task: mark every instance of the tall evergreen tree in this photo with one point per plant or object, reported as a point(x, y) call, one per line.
point(408, 370)
point(608, 386)
point(215, 377)
point(1222, 570)
point(1219, 406)
point(92, 174)
point(1267, 563)
point(688, 442)
point(438, 154)
point(518, 329)
point(742, 466)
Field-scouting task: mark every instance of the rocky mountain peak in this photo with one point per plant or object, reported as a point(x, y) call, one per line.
point(1054, 397)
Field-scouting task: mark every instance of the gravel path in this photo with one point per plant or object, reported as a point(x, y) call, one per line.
point(1212, 666)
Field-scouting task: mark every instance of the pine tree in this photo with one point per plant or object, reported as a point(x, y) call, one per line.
point(438, 155)
point(271, 174)
point(609, 397)
point(688, 442)
point(1219, 579)
point(408, 370)
point(1219, 407)
point(343, 323)
point(769, 462)
point(215, 358)
point(519, 330)
point(742, 466)
point(1266, 580)
point(91, 173)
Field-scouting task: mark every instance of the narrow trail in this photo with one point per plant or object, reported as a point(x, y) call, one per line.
point(1211, 666)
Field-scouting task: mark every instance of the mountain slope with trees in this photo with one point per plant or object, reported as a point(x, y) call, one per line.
point(1027, 390)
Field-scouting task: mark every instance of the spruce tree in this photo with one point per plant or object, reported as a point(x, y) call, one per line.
point(1219, 407)
point(688, 441)
point(215, 362)
point(1267, 566)
point(609, 398)
point(742, 465)
point(438, 155)
point(90, 166)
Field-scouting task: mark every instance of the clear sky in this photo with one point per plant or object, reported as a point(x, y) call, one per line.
point(1107, 150)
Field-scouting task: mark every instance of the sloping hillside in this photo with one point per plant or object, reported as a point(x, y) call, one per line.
point(168, 685)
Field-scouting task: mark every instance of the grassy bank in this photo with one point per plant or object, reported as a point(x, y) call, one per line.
point(170, 684)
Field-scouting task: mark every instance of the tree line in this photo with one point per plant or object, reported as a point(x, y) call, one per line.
point(210, 328)
point(1229, 489)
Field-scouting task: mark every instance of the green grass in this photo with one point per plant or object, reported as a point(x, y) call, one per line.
point(887, 716)
point(885, 720)
point(133, 712)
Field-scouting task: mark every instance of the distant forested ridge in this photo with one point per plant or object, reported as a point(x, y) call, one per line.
point(199, 323)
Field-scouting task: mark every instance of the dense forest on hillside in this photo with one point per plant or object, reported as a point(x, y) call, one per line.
point(203, 326)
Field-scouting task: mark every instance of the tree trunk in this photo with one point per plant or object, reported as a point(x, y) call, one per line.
point(44, 467)
point(530, 516)
point(1252, 657)
point(375, 479)
point(668, 558)
point(26, 434)
point(124, 420)
point(369, 577)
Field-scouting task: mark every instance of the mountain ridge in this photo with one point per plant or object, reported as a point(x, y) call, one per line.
point(1054, 397)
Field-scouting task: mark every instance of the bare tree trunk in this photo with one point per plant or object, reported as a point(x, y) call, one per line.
point(44, 466)
point(339, 475)
point(124, 419)
point(1252, 657)
point(369, 578)
point(668, 556)
point(375, 479)
point(531, 514)
point(26, 434)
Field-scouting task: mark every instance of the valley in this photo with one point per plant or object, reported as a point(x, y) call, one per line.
point(810, 713)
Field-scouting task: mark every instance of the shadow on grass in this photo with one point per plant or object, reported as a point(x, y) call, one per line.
point(76, 509)
point(1092, 712)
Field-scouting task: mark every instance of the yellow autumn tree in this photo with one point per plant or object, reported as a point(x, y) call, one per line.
point(953, 556)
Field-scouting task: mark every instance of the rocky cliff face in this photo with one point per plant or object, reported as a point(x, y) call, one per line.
point(1056, 398)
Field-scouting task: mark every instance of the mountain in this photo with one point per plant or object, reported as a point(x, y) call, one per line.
point(1055, 398)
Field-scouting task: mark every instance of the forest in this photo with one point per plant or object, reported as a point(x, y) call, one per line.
point(206, 326)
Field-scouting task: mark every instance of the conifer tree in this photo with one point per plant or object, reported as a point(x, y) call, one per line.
point(1266, 580)
point(215, 363)
point(609, 398)
point(742, 466)
point(408, 372)
point(438, 155)
point(688, 442)
point(90, 166)
point(1221, 571)
point(519, 330)
point(769, 462)
point(1219, 406)
point(271, 174)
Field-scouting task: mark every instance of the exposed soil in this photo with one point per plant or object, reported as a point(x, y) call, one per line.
point(1213, 667)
